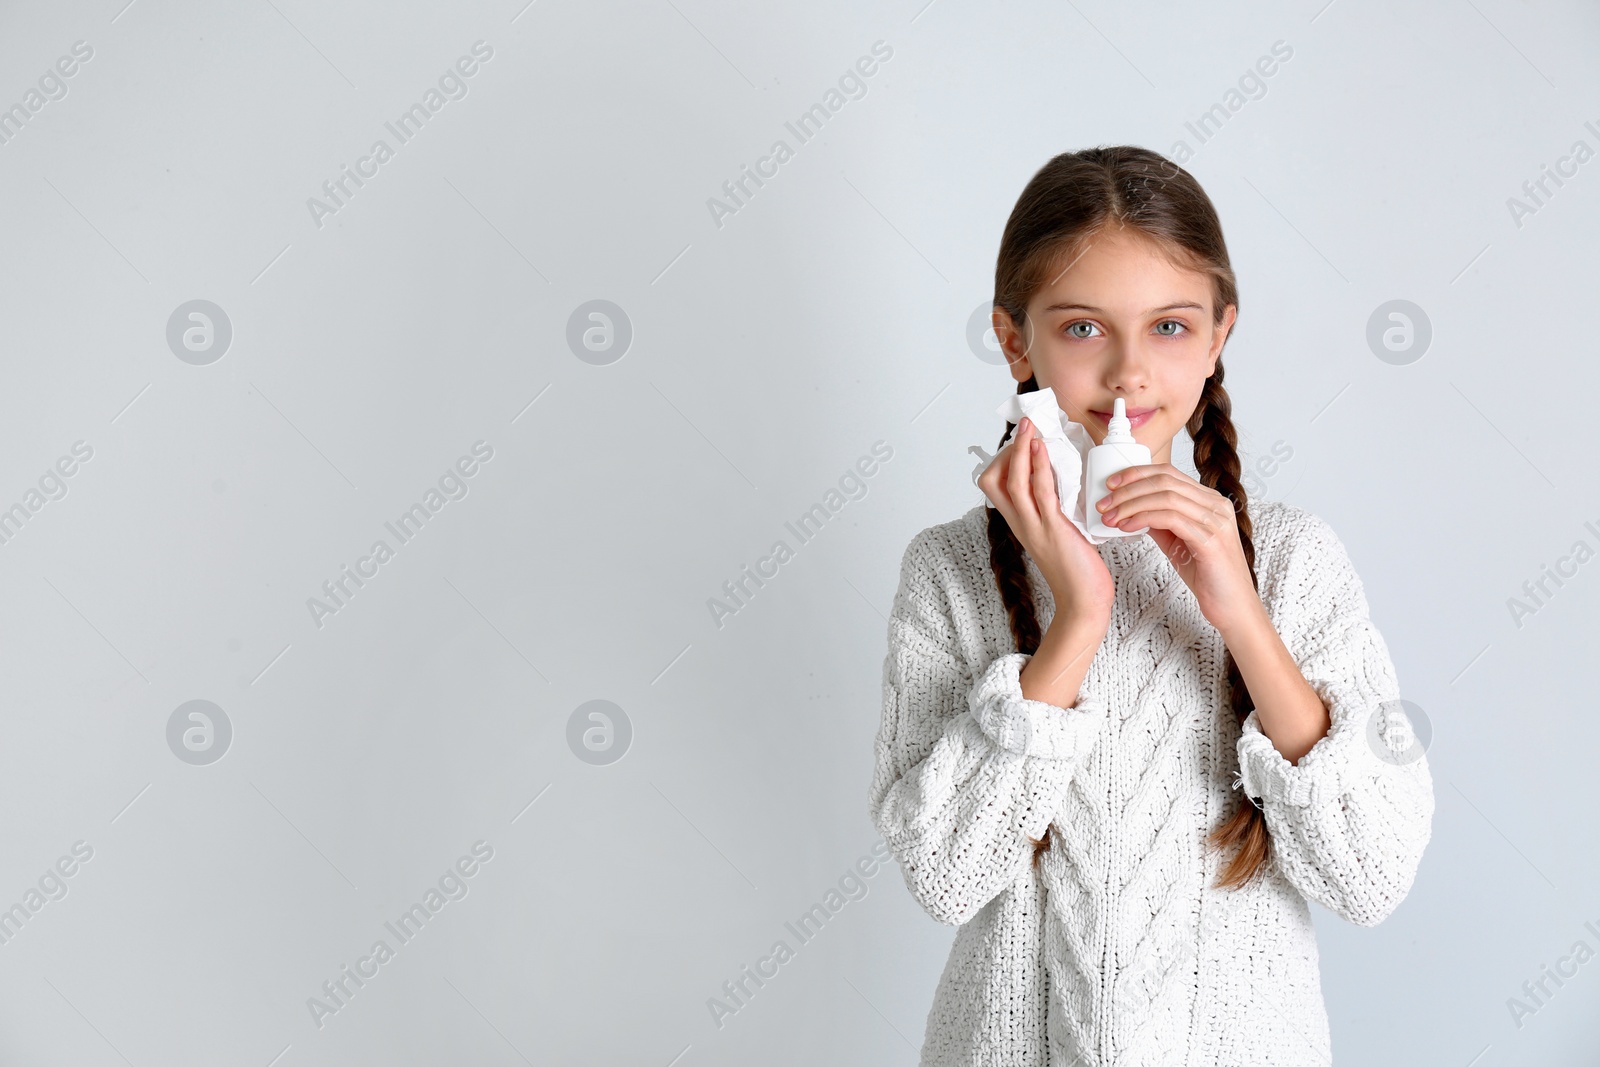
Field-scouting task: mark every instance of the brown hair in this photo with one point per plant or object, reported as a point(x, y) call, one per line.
point(1071, 199)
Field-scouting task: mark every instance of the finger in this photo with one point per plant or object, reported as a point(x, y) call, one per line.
point(1146, 474)
point(1125, 493)
point(1118, 486)
point(1141, 471)
point(1136, 508)
point(1044, 485)
point(1196, 532)
point(1020, 475)
point(1181, 540)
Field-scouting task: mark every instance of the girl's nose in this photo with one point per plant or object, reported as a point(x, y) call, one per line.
point(1127, 369)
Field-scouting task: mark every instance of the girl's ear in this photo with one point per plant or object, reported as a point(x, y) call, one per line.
point(1220, 336)
point(1013, 345)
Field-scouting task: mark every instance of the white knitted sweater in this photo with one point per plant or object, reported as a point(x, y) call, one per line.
point(1116, 951)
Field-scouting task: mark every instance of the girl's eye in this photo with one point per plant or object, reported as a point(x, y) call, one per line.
point(1072, 327)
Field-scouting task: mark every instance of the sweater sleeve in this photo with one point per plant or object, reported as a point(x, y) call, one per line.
point(1350, 820)
point(966, 769)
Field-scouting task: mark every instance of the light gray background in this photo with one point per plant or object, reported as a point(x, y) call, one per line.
point(769, 354)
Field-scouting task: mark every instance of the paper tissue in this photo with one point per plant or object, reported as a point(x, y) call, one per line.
point(1065, 443)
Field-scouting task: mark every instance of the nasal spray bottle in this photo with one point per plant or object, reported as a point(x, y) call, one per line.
point(1117, 451)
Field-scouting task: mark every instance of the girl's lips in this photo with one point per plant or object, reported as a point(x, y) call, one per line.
point(1136, 416)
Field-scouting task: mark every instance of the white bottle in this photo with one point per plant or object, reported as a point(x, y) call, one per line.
point(1111, 455)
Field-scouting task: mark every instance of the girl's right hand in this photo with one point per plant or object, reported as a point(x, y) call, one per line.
point(1021, 483)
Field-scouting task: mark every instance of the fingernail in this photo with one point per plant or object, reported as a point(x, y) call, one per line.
point(1111, 482)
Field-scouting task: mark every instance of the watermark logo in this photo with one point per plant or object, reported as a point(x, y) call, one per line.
point(51, 886)
point(1386, 734)
point(981, 338)
point(199, 332)
point(1538, 191)
point(52, 86)
point(1536, 992)
point(1538, 591)
point(453, 484)
point(851, 86)
point(599, 732)
point(1257, 477)
point(599, 332)
point(741, 591)
point(1251, 85)
point(1399, 332)
point(452, 885)
point(452, 85)
point(737, 992)
point(199, 732)
point(51, 486)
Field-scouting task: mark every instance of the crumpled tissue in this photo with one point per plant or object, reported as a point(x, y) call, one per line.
point(1066, 443)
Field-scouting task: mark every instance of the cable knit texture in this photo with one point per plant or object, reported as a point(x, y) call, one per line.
point(1116, 950)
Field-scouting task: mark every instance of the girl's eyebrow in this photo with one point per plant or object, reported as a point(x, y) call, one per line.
point(1101, 311)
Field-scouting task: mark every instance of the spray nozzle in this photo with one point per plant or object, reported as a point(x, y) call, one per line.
point(1119, 431)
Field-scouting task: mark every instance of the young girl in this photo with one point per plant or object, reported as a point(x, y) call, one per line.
point(1122, 770)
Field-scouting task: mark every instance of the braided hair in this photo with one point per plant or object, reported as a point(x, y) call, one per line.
point(1071, 198)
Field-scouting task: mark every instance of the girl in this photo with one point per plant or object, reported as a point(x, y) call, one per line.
point(1065, 725)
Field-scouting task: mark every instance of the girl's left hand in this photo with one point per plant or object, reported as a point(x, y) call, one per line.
point(1196, 530)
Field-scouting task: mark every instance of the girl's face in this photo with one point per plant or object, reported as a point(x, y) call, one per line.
point(1121, 321)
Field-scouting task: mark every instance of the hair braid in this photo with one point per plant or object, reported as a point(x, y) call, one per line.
point(1216, 458)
